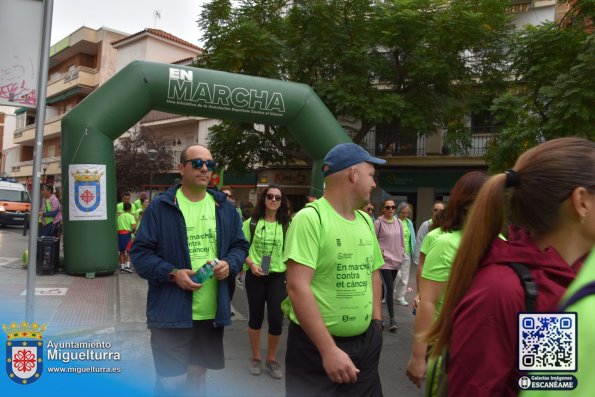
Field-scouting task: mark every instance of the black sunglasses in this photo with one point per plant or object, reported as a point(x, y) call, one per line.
point(390, 207)
point(273, 197)
point(198, 163)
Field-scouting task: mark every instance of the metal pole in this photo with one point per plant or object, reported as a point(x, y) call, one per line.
point(48, 7)
point(151, 182)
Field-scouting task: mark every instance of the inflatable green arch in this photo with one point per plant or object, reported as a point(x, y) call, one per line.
point(89, 130)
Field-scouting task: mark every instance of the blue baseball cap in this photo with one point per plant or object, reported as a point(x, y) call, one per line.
point(345, 155)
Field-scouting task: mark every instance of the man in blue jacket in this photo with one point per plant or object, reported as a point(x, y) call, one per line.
point(182, 230)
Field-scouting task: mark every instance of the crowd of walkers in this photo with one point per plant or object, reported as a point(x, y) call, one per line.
point(330, 268)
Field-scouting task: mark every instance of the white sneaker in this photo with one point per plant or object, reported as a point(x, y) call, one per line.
point(402, 302)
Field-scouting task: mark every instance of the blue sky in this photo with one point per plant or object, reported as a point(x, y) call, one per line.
point(178, 17)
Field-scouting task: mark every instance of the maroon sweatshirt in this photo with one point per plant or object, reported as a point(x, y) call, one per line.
point(483, 348)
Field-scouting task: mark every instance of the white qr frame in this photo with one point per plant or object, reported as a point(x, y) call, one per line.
point(567, 319)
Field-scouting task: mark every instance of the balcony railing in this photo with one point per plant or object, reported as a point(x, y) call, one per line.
point(51, 129)
point(80, 75)
point(476, 145)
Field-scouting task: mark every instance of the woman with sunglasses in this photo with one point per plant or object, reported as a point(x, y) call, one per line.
point(265, 275)
point(389, 231)
point(550, 197)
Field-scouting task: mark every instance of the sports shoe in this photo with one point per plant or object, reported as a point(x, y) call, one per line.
point(128, 269)
point(393, 325)
point(122, 271)
point(254, 367)
point(402, 302)
point(274, 369)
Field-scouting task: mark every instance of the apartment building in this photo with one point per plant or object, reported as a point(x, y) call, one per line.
point(8, 150)
point(79, 64)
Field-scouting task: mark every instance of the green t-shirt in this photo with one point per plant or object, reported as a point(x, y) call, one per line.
point(343, 255)
point(136, 205)
point(136, 214)
point(47, 207)
point(439, 260)
point(125, 221)
point(406, 236)
point(120, 208)
point(201, 230)
point(429, 241)
point(585, 329)
point(268, 240)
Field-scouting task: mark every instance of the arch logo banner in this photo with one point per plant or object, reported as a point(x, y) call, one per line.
point(87, 192)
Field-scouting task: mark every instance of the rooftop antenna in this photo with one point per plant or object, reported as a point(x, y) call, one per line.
point(156, 14)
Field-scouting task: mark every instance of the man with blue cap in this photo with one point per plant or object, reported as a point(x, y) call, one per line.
point(334, 286)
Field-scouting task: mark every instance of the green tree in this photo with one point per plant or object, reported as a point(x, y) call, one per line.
point(414, 64)
point(132, 161)
point(552, 92)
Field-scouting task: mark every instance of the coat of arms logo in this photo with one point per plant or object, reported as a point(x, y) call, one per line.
point(87, 190)
point(24, 352)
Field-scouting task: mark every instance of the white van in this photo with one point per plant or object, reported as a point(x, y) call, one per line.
point(15, 202)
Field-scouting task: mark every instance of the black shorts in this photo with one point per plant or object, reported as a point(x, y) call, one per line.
point(174, 349)
point(305, 376)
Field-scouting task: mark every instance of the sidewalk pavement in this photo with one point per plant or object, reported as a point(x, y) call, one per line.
point(112, 309)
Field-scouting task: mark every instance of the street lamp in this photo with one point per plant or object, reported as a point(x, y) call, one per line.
point(152, 157)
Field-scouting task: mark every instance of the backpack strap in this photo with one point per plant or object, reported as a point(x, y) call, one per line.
point(253, 223)
point(364, 215)
point(528, 284)
point(583, 292)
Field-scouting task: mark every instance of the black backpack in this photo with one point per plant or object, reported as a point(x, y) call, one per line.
point(531, 293)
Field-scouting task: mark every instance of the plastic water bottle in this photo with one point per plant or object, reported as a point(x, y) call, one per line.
point(205, 272)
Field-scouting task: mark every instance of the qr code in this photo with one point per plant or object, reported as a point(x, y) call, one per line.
point(547, 342)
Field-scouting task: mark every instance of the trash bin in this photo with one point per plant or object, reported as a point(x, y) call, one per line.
point(48, 255)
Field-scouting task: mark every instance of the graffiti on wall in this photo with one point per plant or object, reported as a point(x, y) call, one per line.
point(17, 80)
point(21, 25)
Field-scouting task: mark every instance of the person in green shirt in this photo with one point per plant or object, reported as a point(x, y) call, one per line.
point(144, 203)
point(138, 203)
point(265, 275)
point(579, 298)
point(334, 285)
point(440, 248)
point(120, 206)
point(190, 243)
point(402, 280)
point(126, 226)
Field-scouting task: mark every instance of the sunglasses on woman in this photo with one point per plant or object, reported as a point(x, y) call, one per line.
point(273, 197)
point(390, 207)
point(198, 163)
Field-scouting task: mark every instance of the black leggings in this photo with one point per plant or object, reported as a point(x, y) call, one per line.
point(388, 276)
point(270, 289)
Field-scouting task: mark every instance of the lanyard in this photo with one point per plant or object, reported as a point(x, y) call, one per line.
point(264, 238)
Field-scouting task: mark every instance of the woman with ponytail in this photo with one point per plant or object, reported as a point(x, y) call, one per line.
point(440, 247)
point(550, 197)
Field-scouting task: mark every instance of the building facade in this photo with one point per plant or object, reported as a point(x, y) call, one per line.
point(79, 64)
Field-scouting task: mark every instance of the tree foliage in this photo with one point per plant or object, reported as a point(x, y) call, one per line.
point(132, 161)
point(414, 64)
point(552, 93)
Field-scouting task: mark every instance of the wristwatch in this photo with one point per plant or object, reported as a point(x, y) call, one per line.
point(379, 324)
